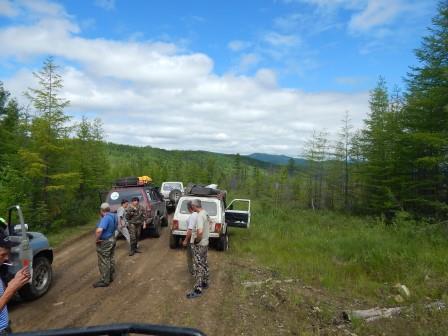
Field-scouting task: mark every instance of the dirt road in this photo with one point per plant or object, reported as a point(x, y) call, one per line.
point(149, 288)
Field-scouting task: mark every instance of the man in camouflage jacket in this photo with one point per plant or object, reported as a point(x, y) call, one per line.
point(135, 216)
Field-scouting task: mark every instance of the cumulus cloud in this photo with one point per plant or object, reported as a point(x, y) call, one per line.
point(153, 93)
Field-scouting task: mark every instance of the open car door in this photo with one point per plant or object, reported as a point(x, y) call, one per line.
point(238, 213)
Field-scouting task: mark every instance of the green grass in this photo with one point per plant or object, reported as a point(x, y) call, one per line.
point(358, 257)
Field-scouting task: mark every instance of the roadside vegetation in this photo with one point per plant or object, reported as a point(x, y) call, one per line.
point(364, 257)
point(320, 264)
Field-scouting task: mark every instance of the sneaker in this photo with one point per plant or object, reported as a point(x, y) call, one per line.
point(100, 284)
point(194, 294)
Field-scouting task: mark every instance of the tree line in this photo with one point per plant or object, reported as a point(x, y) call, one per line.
point(56, 168)
point(398, 161)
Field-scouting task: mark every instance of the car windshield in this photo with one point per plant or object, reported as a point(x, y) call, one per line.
point(172, 186)
point(209, 206)
point(116, 196)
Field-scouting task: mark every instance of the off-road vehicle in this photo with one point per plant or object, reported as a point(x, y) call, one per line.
point(236, 214)
point(29, 249)
point(149, 197)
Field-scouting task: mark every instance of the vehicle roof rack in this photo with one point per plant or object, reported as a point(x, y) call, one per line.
point(133, 181)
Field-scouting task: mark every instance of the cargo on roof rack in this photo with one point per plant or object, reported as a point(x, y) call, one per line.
point(205, 191)
point(133, 181)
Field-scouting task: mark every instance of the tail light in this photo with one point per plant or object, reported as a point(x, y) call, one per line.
point(175, 224)
point(218, 227)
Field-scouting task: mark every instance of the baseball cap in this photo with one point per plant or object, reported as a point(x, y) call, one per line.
point(104, 206)
point(6, 243)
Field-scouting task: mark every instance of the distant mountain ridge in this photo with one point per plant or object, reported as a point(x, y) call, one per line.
point(276, 159)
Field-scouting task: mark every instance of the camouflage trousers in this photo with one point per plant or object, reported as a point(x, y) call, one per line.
point(106, 259)
point(200, 266)
point(134, 235)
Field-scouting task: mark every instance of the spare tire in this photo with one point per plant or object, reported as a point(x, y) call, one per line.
point(174, 195)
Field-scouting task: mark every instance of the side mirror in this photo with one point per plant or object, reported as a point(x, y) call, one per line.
point(18, 227)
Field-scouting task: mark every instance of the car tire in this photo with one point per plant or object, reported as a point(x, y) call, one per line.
point(155, 231)
point(42, 277)
point(165, 220)
point(222, 243)
point(174, 241)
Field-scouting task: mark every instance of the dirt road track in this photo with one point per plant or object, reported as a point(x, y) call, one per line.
point(149, 288)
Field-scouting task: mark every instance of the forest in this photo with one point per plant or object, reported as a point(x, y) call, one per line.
point(395, 165)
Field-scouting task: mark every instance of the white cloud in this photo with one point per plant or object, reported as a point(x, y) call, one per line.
point(8, 9)
point(377, 13)
point(42, 7)
point(150, 93)
point(248, 61)
point(279, 40)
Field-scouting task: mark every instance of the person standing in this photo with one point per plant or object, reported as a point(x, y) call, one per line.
point(199, 240)
point(21, 278)
point(105, 245)
point(122, 222)
point(191, 225)
point(135, 215)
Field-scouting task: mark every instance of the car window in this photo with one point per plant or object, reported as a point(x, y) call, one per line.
point(171, 186)
point(154, 196)
point(116, 196)
point(209, 206)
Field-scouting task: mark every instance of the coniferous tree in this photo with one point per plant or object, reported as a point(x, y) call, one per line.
point(377, 169)
point(425, 118)
point(48, 132)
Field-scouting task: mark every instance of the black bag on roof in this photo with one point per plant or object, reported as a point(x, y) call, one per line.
point(127, 181)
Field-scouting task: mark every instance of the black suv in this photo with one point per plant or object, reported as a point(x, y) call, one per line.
point(149, 197)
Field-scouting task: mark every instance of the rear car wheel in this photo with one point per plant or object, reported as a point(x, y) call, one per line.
point(155, 231)
point(42, 277)
point(222, 243)
point(165, 220)
point(174, 241)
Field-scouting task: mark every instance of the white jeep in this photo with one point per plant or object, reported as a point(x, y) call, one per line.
point(236, 214)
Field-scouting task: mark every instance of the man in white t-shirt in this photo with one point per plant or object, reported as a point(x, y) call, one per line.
point(191, 226)
point(199, 247)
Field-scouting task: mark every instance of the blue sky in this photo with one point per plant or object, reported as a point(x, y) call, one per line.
point(259, 76)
